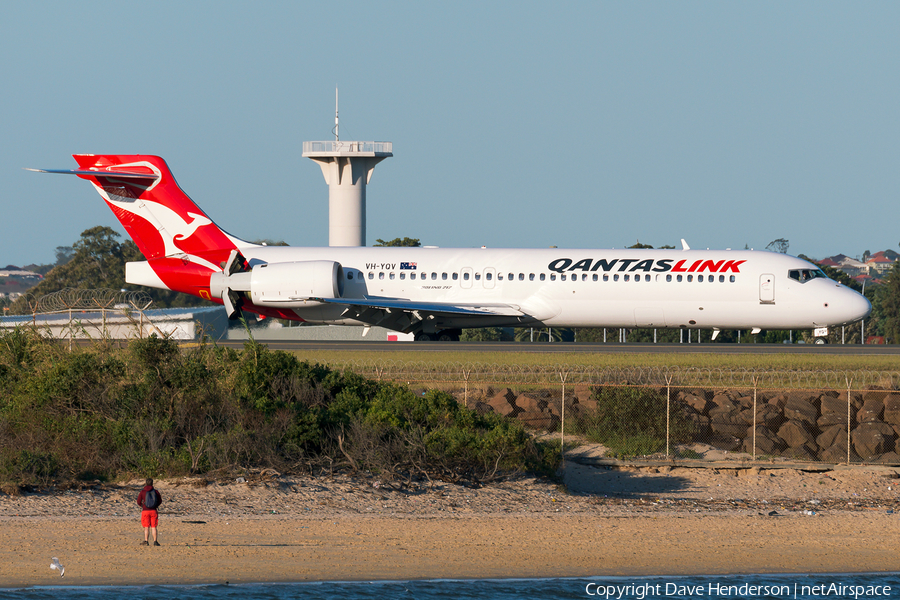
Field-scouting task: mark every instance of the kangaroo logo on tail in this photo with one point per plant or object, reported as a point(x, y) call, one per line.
point(182, 245)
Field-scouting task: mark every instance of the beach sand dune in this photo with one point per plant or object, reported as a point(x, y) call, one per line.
point(655, 520)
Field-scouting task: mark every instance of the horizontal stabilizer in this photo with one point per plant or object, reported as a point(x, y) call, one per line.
point(123, 174)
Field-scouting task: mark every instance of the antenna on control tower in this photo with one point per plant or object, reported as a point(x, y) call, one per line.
point(347, 168)
point(337, 129)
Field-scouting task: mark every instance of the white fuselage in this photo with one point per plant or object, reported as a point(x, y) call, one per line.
point(721, 289)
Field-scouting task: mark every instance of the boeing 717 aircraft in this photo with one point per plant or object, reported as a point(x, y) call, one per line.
point(436, 292)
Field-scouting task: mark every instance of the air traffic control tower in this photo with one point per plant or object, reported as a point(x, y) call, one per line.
point(347, 167)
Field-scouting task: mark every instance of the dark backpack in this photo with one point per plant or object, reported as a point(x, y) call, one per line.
point(151, 499)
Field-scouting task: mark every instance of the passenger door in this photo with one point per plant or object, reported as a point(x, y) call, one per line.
point(767, 288)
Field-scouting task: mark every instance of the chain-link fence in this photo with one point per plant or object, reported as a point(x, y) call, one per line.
point(682, 413)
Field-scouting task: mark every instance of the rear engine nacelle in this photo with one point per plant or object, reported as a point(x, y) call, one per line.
point(289, 284)
point(282, 284)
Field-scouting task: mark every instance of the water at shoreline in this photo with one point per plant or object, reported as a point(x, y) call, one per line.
point(794, 587)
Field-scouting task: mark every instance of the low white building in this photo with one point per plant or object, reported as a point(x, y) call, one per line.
point(119, 323)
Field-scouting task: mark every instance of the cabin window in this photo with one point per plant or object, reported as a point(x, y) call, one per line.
point(679, 278)
point(455, 276)
point(616, 277)
point(433, 276)
point(488, 276)
point(531, 277)
point(511, 277)
point(381, 276)
point(584, 276)
point(412, 275)
point(626, 277)
point(391, 276)
point(521, 276)
point(690, 278)
point(499, 276)
point(543, 276)
point(700, 278)
point(669, 278)
point(402, 275)
point(552, 276)
point(371, 275)
point(712, 278)
point(732, 278)
point(595, 277)
point(605, 277)
point(465, 276)
point(349, 274)
point(444, 276)
point(477, 276)
point(562, 277)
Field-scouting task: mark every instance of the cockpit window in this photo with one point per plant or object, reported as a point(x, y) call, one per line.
point(804, 275)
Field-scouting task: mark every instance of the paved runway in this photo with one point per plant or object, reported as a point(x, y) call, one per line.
point(610, 348)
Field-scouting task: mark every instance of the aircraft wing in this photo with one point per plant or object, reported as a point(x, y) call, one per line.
point(403, 315)
point(431, 308)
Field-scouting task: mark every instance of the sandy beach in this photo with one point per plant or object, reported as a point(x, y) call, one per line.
point(603, 521)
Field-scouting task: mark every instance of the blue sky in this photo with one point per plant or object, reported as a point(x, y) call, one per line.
point(514, 124)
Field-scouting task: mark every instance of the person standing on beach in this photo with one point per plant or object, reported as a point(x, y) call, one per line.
point(149, 499)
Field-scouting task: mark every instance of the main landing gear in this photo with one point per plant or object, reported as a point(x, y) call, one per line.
point(447, 335)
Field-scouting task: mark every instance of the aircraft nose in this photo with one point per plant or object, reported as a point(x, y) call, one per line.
point(853, 306)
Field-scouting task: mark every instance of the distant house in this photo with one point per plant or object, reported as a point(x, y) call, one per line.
point(14, 281)
point(881, 262)
point(12, 271)
point(852, 267)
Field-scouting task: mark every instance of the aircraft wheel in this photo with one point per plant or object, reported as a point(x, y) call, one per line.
point(821, 341)
point(424, 337)
point(447, 337)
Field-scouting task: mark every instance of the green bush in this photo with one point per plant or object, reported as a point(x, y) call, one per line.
point(153, 409)
point(631, 421)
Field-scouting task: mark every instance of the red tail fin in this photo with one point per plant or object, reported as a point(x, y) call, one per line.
point(183, 245)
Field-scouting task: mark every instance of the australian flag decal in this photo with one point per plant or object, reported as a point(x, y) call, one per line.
point(408, 266)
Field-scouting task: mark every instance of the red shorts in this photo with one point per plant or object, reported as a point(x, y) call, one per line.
point(149, 518)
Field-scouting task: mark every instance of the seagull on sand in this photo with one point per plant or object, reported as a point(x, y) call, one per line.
point(54, 564)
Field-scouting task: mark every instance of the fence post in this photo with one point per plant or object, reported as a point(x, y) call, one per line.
point(563, 375)
point(668, 409)
point(755, 380)
point(849, 382)
point(466, 375)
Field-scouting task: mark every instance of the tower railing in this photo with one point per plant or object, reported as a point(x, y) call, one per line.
point(342, 146)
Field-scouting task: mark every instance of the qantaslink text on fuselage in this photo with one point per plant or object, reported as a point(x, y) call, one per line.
point(647, 265)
